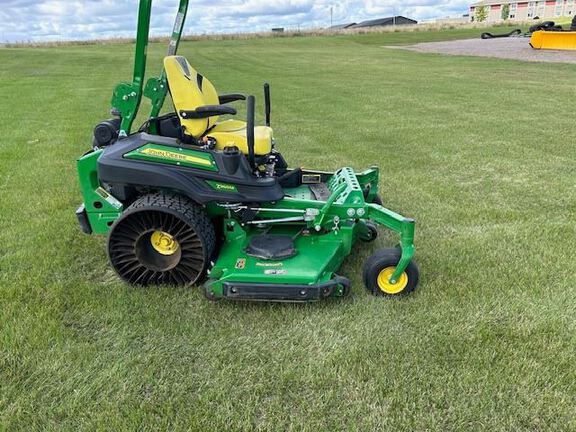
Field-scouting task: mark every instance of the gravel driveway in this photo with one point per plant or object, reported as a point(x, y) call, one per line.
point(516, 48)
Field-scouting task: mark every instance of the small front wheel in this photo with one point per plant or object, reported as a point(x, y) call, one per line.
point(371, 233)
point(379, 269)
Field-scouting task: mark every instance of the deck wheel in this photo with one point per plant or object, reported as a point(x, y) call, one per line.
point(371, 233)
point(380, 267)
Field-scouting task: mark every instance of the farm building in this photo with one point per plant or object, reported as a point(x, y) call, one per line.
point(380, 22)
point(342, 26)
point(523, 10)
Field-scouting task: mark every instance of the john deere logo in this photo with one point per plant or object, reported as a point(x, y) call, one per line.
point(223, 186)
point(150, 151)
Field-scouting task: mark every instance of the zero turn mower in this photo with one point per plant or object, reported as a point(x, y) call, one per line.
point(190, 196)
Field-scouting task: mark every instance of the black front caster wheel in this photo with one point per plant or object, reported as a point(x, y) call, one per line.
point(381, 266)
point(371, 233)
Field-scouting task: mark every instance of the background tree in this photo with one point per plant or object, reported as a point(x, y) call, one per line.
point(481, 13)
point(505, 11)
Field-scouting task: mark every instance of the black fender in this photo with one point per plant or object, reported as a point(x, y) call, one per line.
point(114, 169)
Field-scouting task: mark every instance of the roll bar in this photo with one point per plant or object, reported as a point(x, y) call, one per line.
point(128, 96)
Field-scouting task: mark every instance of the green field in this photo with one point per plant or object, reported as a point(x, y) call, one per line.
point(481, 152)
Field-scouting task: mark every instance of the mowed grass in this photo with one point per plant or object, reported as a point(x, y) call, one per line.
point(481, 152)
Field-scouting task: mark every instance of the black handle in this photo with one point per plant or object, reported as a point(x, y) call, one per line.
point(207, 111)
point(233, 97)
point(250, 130)
point(267, 101)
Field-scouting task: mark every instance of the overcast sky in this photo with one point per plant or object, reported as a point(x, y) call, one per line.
point(48, 20)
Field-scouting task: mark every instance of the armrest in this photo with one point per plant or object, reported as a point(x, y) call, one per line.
point(207, 111)
point(233, 97)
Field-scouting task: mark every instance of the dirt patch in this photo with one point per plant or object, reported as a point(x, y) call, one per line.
point(516, 48)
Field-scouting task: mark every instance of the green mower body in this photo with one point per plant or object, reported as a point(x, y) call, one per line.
point(180, 208)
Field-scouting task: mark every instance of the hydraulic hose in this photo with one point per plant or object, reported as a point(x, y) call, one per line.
point(487, 35)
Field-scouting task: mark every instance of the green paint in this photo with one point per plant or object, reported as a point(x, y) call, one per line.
point(339, 222)
point(301, 192)
point(223, 187)
point(102, 208)
point(174, 156)
point(319, 257)
point(368, 180)
point(127, 96)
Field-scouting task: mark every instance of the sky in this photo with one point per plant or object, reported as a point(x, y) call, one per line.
point(53, 20)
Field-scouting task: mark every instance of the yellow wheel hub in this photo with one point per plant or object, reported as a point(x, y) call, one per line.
point(384, 281)
point(164, 243)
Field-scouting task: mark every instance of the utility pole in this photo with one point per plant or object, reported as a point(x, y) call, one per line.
point(331, 16)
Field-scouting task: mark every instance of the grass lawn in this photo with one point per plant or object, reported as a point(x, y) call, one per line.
point(481, 152)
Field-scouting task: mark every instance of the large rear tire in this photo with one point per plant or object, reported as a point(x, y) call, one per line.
point(162, 239)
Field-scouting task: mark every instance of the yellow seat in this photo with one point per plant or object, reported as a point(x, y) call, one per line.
point(233, 133)
point(190, 90)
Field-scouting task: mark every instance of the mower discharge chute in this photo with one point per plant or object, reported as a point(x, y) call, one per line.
point(190, 196)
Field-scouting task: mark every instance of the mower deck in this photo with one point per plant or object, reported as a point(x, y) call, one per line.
point(308, 275)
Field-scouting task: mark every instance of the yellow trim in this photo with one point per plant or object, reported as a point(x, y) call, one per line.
point(177, 156)
point(233, 133)
point(384, 281)
point(164, 243)
point(187, 95)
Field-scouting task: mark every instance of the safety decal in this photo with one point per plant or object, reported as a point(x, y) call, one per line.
point(109, 198)
point(269, 264)
point(275, 272)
